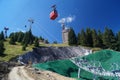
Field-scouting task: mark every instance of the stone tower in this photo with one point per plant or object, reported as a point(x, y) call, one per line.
point(65, 32)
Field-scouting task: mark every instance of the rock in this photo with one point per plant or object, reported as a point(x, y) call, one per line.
point(44, 54)
point(5, 68)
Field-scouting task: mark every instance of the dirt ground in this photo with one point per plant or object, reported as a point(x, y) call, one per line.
point(25, 73)
point(45, 75)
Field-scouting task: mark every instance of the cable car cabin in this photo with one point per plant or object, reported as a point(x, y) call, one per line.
point(53, 15)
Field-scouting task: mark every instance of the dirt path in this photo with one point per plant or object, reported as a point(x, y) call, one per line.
point(21, 73)
point(18, 73)
point(46, 75)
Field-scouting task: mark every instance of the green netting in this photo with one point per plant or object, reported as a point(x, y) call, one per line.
point(106, 58)
point(67, 68)
point(63, 67)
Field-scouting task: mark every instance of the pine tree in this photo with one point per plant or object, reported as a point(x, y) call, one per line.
point(25, 39)
point(20, 37)
point(2, 36)
point(31, 37)
point(24, 47)
point(106, 40)
point(113, 40)
point(79, 39)
point(83, 38)
point(28, 38)
point(2, 49)
point(12, 34)
point(118, 42)
point(12, 40)
point(109, 39)
point(36, 42)
point(72, 40)
point(54, 42)
point(46, 41)
point(42, 39)
point(16, 35)
point(89, 37)
point(96, 40)
point(100, 37)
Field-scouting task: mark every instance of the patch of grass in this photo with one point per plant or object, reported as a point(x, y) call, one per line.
point(54, 45)
point(96, 49)
point(12, 51)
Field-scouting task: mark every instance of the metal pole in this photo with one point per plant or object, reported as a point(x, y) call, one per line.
point(79, 73)
point(31, 22)
point(94, 77)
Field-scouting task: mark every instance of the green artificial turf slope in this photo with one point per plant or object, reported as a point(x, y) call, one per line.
point(106, 57)
point(67, 68)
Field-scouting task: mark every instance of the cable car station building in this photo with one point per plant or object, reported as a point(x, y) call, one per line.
point(65, 32)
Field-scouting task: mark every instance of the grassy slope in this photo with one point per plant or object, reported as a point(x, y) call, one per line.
point(13, 50)
point(55, 45)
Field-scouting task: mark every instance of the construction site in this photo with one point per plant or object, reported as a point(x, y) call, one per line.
point(100, 65)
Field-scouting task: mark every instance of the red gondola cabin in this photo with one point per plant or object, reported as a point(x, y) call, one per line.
point(53, 15)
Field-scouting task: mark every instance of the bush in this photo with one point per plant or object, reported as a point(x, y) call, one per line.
point(36, 42)
point(2, 49)
point(24, 47)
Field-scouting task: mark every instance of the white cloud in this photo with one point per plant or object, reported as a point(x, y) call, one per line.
point(68, 19)
point(63, 20)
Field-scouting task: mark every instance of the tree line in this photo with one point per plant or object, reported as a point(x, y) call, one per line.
point(95, 38)
point(25, 38)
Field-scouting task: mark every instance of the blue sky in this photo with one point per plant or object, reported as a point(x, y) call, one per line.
point(77, 14)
